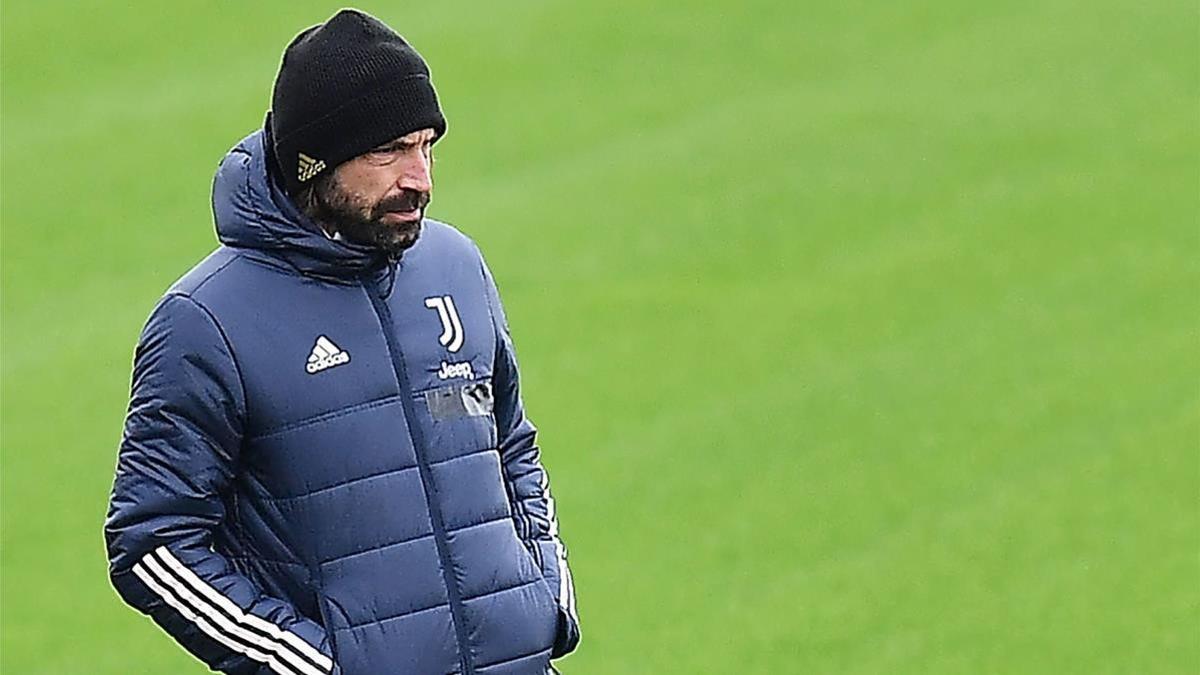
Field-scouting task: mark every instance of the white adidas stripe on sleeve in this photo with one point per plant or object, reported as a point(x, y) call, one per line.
point(207, 627)
point(271, 629)
point(566, 585)
point(178, 586)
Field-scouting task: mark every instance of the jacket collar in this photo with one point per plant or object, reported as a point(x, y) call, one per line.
point(252, 210)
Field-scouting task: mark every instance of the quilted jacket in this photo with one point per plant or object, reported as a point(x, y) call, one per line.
point(326, 466)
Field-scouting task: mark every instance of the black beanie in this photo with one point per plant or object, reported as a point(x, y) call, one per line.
point(345, 87)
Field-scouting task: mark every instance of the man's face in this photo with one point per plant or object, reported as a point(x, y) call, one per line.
point(379, 198)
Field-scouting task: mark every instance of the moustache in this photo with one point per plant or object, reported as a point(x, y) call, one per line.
point(407, 200)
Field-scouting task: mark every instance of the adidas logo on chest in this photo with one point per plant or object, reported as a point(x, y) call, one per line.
point(325, 355)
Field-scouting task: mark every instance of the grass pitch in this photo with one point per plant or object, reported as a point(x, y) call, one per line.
point(862, 337)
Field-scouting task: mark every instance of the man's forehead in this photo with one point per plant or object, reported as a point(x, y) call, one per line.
point(415, 137)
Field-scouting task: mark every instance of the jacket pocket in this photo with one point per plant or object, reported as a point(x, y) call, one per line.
point(325, 605)
point(546, 605)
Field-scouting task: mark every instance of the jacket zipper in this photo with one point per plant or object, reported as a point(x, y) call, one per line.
point(417, 438)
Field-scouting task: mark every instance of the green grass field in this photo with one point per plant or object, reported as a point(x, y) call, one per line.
point(863, 337)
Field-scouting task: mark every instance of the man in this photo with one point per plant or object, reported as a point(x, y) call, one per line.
point(326, 467)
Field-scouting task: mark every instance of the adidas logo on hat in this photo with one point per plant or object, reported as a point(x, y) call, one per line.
point(309, 167)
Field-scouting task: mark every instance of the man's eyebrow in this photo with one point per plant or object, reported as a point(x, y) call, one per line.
point(401, 142)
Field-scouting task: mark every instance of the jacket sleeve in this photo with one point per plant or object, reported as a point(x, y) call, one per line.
point(527, 482)
point(181, 441)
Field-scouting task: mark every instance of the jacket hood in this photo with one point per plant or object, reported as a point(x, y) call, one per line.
point(251, 210)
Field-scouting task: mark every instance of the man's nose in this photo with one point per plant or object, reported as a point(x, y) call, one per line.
point(416, 172)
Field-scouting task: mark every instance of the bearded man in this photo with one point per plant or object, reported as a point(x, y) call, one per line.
point(326, 466)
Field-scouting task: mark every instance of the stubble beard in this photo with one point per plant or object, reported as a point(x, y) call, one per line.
point(344, 213)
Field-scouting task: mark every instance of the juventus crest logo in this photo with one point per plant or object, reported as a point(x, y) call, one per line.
point(452, 330)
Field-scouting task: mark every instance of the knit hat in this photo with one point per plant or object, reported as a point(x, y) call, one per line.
point(344, 87)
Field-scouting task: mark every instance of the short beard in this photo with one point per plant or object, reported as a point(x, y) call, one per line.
point(341, 212)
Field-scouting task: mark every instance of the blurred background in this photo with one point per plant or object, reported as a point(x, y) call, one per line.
point(863, 337)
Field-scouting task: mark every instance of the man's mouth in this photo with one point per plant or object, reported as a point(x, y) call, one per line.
point(402, 216)
point(404, 207)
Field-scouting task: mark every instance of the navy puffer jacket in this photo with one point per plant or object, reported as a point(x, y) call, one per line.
point(326, 467)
